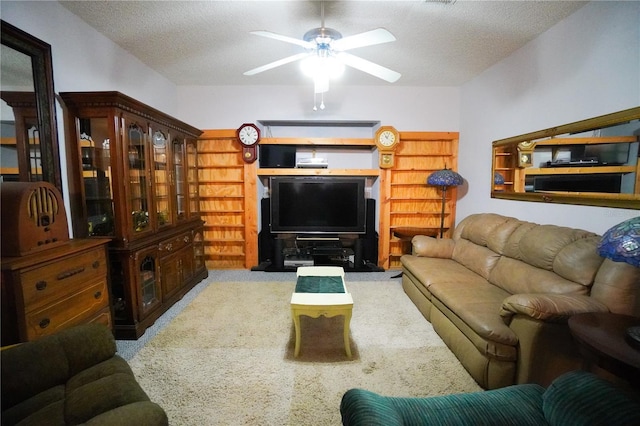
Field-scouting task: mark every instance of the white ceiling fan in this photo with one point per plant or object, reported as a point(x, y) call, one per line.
point(326, 51)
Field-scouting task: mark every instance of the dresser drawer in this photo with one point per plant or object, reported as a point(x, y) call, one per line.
point(41, 286)
point(68, 311)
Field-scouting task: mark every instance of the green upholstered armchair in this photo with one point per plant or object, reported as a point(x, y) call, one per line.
point(575, 398)
point(70, 378)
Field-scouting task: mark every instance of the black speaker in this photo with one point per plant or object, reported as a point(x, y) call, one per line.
point(278, 255)
point(266, 240)
point(369, 242)
point(277, 156)
point(371, 217)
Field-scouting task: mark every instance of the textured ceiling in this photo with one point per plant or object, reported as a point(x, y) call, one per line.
point(208, 43)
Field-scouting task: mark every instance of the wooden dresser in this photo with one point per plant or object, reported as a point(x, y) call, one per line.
point(50, 290)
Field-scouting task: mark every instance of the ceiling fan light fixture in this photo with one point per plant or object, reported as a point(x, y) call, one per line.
point(316, 67)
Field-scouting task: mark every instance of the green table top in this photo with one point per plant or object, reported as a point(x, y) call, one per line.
point(312, 284)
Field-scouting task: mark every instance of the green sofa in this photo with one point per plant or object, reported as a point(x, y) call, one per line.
point(575, 398)
point(70, 378)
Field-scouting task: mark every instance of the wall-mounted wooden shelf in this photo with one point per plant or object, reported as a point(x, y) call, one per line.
point(329, 142)
point(319, 172)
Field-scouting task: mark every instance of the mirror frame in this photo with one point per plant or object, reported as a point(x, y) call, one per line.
point(597, 199)
point(42, 67)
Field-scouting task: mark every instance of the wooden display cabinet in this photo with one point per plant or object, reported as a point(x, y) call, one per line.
point(133, 178)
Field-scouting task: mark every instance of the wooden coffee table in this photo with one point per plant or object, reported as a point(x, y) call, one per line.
point(321, 291)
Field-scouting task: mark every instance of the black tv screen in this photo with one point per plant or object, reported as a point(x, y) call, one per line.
point(312, 205)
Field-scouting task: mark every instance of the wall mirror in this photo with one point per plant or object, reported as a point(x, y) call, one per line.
point(590, 162)
point(29, 142)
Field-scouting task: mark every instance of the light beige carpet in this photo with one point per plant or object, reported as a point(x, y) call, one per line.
point(227, 359)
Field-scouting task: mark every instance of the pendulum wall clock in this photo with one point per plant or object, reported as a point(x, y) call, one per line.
point(249, 136)
point(387, 139)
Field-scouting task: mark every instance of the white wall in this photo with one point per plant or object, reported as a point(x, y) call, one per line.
point(85, 60)
point(585, 66)
point(405, 108)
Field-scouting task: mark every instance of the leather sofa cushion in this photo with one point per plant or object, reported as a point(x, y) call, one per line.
point(479, 259)
point(423, 245)
point(478, 306)
point(557, 249)
point(433, 270)
point(616, 285)
point(488, 230)
point(517, 277)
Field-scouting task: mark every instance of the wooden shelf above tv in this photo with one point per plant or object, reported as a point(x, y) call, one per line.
point(319, 172)
point(332, 142)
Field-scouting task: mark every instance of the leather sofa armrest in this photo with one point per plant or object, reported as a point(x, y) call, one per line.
point(549, 307)
point(426, 246)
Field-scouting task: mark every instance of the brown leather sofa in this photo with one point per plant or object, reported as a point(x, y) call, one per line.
point(499, 293)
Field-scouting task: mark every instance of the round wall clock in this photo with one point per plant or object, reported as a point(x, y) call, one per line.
point(249, 136)
point(387, 139)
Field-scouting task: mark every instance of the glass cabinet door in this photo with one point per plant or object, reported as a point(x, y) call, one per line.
point(97, 177)
point(179, 173)
point(192, 178)
point(138, 178)
point(148, 280)
point(198, 251)
point(161, 179)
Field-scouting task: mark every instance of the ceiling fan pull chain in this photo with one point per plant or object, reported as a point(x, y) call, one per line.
point(322, 100)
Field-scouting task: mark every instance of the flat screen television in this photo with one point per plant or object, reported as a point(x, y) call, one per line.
point(318, 205)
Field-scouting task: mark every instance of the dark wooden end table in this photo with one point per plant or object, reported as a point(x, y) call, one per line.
point(601, 341)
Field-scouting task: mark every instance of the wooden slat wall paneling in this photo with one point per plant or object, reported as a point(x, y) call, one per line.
point(408, 205)
point(227, 201)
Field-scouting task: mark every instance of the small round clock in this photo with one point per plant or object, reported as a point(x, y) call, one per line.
point(387, 138)
point(249, 136)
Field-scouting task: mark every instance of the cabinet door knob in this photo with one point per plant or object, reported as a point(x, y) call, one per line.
point(95, 264)
point(41, 285)
point(97, 294)
point(44, 323)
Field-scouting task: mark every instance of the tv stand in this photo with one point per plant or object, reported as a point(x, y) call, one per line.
point(293, 251)
point(287, 252)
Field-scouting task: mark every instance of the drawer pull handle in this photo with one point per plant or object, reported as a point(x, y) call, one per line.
point(44, 323)
point(97, 294)
point(96, 264)
point(70, 273)
point(41, 285)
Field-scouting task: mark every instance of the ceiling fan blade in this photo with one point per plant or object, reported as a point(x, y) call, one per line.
point(369, 38)
point(277, 63)
point(287, 39)
point(369, 67)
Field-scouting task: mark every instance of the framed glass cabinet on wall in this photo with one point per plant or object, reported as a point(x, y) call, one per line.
point(133, 177)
